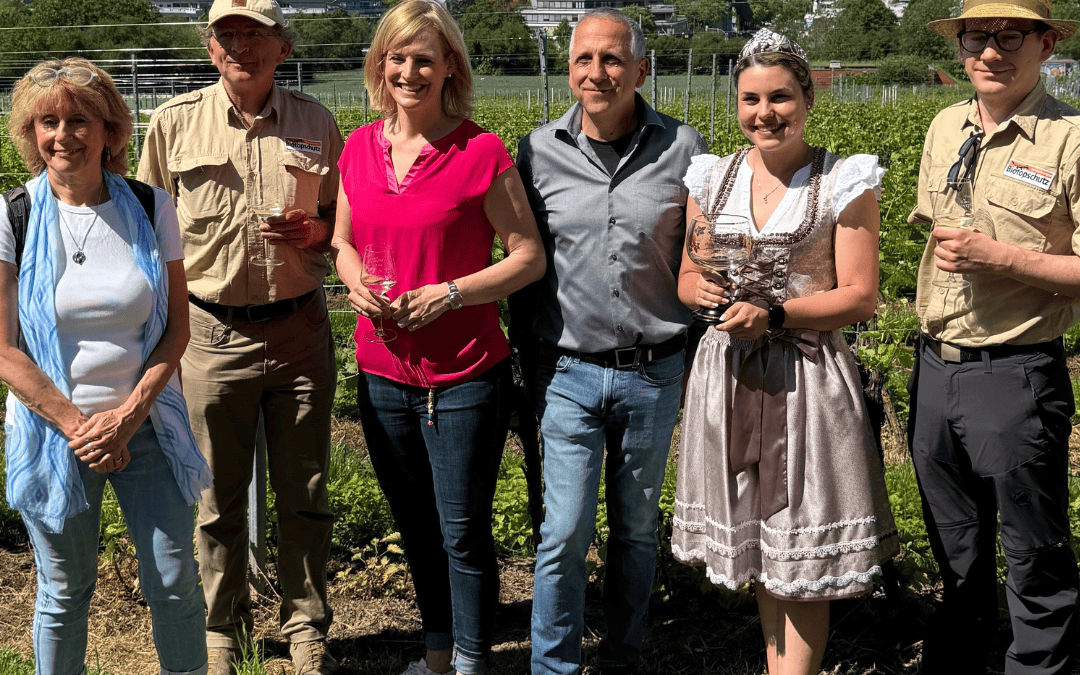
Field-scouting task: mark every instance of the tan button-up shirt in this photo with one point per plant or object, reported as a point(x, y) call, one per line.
point(1026, 187)
point(198, 149)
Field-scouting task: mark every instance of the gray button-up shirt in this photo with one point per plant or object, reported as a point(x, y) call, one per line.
point(614, 242)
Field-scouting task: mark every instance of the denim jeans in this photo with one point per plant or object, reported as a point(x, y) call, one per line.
point(161, 524)
point(584, 408)
point(438, 473)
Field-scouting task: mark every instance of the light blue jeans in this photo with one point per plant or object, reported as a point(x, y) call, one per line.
point(584, 408)
point(161, 524)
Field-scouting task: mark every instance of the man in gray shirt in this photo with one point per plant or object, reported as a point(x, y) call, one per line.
point(605, 183)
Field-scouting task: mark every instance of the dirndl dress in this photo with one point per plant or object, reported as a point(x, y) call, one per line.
point(779, 478)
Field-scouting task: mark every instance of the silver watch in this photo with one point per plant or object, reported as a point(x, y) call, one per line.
point(455, 296)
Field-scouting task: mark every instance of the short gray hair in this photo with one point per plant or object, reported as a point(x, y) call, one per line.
point(637, 37)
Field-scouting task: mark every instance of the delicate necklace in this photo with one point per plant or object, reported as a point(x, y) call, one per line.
point(78, 256)
point(765, 197)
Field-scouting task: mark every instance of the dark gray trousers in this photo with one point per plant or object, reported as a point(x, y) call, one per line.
point(989, 439)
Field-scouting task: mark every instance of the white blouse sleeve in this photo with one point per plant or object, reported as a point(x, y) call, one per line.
point(858, 174)
point(697, 176)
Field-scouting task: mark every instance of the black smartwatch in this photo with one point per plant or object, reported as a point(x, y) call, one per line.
point(776, 316)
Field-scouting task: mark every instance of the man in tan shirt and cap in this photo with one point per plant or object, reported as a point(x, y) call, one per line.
point(232, 155)
point(991, 399)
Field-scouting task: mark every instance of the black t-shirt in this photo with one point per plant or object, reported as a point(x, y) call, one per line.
point(611, 152)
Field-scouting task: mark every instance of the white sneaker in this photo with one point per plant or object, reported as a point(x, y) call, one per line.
point(420, 668)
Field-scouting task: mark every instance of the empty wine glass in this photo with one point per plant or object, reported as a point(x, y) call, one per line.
point(268, 203)
point(719, 243)
point(380, 275)
point(955, 210)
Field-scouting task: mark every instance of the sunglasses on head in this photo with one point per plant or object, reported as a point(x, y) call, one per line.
point(45, 76)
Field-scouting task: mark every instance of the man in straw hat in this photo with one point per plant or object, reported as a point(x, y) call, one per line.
point(990, 394)
point(260, 335)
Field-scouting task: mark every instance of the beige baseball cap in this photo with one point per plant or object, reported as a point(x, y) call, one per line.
point(266, 12)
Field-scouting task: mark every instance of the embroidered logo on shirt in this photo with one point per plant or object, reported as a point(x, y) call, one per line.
point(1032, 175)
point(302, 145)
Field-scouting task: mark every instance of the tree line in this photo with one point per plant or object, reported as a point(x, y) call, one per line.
point(863, 31)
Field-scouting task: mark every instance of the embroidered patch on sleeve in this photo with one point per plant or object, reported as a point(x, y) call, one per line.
point(1032, 175)
point(303, 145)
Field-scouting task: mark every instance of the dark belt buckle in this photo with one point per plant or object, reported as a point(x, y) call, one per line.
point(631, 352)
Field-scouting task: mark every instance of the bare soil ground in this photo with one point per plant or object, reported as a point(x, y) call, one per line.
point(693, 627)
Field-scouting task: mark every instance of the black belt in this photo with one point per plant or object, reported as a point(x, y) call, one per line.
point(254, 313)
point(957, 354)
point(626, 358)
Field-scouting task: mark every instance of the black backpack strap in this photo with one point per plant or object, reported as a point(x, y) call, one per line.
point(18, 217)
point(19, 211)
point(145, 194)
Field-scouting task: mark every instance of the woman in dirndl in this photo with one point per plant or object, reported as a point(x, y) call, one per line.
point(780, 483)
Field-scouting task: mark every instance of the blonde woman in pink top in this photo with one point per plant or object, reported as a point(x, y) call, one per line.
point(437, 188)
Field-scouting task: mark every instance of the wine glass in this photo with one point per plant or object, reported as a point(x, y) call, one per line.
point(955, 210)
point(269, 202)
point(720, 244)
point(379, 277)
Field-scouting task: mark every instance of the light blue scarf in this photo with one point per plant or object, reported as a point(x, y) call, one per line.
point(43, 481)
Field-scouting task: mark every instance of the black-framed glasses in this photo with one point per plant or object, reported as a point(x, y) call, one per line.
point(45, 76)
point(227, 37)
point(968, 157)
point(1008, 40)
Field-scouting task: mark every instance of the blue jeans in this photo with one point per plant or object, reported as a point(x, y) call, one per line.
point(161, 524)
point(584, 408)
point(439, 479)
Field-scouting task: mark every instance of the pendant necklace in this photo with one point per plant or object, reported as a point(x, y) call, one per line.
point(765, 197)
point(78, 256)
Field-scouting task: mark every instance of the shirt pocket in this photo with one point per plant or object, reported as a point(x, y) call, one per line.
point(204, 197)
point(1021, 213)
point(657, 204)
point(304, 176)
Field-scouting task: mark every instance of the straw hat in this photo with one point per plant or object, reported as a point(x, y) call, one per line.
point(1038, 10)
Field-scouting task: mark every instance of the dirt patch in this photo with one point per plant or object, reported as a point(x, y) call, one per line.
point(693, 627)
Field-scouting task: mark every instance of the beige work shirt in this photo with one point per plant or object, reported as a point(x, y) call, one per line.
point(198, 149)
point(1026, 187)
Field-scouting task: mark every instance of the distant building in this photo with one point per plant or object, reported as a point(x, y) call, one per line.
point(548, 14)
point(181, 9)
point(194, 9)
point(372, 9)
point(1055, 67)
point(293, 8)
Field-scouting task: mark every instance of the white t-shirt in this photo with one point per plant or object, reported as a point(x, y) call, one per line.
point(102, 305)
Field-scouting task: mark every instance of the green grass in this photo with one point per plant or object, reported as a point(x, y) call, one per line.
point(13, 663)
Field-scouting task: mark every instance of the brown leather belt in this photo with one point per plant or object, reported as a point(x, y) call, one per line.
point(254, 313)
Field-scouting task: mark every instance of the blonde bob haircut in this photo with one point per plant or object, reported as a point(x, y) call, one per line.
point(399, 27)
point(99, 97)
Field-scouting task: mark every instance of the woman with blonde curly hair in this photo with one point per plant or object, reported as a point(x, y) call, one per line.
point(93, 321)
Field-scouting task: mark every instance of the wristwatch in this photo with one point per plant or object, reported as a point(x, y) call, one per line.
point(776, 316)
point(455, 296)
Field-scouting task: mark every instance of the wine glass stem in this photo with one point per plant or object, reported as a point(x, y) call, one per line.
point(380, 332)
